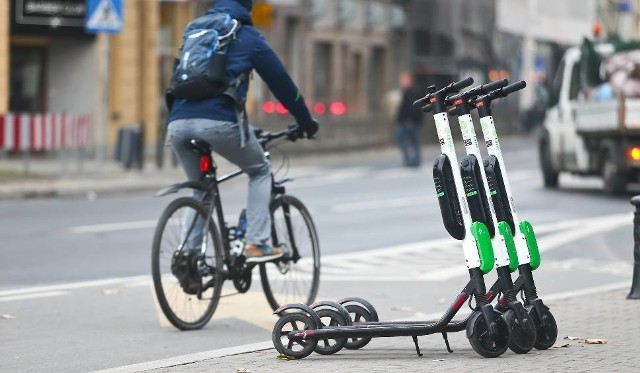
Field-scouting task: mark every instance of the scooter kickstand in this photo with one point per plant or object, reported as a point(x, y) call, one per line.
point(446, 341)
point(415, 341)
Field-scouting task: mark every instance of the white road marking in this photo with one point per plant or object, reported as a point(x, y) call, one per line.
point(111, 227)
point(73, 285)
point(585, 228)
point(47, 294)
point(383, 204)
point(267, 345)
point(126, 226)
point(441, 260)
point(432, 260)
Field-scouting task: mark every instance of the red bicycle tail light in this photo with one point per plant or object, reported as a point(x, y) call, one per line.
point(319, 108)
point(634, 153)
point(269, 107)
point(205, 163)
point(338, 108)
point(281, 109)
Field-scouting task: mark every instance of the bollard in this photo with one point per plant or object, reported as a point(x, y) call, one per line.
point(635, 285)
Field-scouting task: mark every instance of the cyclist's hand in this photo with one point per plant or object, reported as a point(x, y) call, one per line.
point(294, 132)
point(308, 129)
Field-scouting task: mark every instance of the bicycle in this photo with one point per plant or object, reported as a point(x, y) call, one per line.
point(188, 283)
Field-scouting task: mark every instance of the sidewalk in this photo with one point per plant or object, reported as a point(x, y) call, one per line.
point(607, 315)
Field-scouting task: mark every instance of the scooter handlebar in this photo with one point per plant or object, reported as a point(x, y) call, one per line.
point(478, 90)
point(453, 87)
point(464, 83)
point(427, 108)
point(513, 88)
point(419, 102)
point(492, 86)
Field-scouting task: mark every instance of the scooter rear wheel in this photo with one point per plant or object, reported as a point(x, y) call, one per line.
point(290, 322)
point(488, 340)
point(522, 332)
point(330, 318)
point(546, 328)
point(358, 314)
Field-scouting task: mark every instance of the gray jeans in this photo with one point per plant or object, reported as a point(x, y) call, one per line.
point(224, 138)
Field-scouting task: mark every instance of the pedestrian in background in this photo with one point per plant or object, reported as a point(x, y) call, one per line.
point(409, 121)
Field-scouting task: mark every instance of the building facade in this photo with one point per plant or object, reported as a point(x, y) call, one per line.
point(344, 54)
point(49, 64)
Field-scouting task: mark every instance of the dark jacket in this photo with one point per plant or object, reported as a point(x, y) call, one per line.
point(407, 114)
point(250, 51)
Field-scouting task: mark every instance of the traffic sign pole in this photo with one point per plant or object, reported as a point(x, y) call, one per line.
point(106, 17)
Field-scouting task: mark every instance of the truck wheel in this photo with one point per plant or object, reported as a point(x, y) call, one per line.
point(549, 175)
point(614, 181)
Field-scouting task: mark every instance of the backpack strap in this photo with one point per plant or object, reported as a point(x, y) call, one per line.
point(239, 103)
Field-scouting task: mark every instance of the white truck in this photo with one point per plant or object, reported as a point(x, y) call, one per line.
point(587, 135)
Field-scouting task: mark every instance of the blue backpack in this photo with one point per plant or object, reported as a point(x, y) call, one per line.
point(200, 70)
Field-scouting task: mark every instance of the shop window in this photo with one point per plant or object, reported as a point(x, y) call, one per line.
point(27, 83)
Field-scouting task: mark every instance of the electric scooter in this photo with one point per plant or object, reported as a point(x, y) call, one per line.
point(524, 237)
point(299, 329)
point(478, 192)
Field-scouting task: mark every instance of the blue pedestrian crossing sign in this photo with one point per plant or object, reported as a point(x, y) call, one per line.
point(104, 16)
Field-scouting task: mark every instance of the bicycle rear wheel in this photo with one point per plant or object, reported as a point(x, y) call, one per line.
point(187, 283)
point(292, 279)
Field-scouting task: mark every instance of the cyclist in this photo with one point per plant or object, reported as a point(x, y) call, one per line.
point(218, 121)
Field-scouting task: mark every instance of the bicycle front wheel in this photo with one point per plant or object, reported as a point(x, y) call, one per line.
point(187, 265)
point(294, 278)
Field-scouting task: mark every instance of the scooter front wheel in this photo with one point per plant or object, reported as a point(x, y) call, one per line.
point(330, 319)
point(358, 314)
point(546, 328)
point(488, 339)
point(294, 321)
point(522, 332)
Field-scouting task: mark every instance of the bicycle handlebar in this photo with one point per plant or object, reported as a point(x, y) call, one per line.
point(265, 137)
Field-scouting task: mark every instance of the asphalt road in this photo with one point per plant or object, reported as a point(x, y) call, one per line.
point(75, 293)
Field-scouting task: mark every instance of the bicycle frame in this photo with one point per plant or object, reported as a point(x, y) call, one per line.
point(211, 199)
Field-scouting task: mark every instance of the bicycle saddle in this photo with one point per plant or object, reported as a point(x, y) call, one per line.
point(200, 146)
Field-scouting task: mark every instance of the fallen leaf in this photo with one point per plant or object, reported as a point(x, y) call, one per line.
point(110, 291)
point(560, 345)
point(243, 370)
point(7, 317)
point(285, 357)
point(572, 338)
point(402, 308)
point(595, 341)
